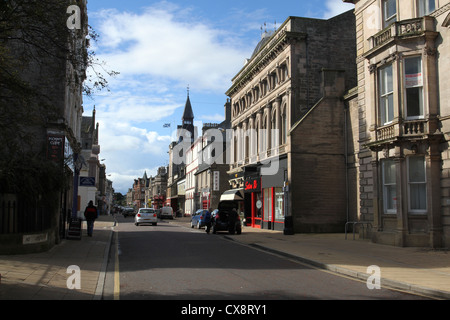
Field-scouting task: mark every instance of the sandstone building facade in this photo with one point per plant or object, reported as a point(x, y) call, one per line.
point(287, 116)
point(399, 119)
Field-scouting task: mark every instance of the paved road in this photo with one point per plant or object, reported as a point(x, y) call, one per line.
point(172, 262)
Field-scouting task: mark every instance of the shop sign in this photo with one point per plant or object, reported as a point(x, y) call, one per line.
point(252, 185)
point(87, 181)
point(216, 180)
point(55, 147)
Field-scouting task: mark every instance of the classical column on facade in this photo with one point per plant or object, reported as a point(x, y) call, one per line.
point(433, 162)
point(259, 134)
point(377, 223)
point(252, 138)
point(240, 143)
point(268, 128)
point(401, 202)
point(245, 140)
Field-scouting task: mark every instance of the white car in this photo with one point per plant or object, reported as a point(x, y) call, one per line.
point(146, 215)
point(166, 212)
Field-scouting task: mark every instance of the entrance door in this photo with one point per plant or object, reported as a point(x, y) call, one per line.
point(256, 209)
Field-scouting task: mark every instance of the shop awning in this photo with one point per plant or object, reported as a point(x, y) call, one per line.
point(235, 194)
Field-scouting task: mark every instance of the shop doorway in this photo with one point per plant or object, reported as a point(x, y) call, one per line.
point(257, 207)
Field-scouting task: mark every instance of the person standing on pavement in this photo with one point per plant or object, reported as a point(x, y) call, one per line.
point(208, 220)
point(90, 213)
point(232, 218)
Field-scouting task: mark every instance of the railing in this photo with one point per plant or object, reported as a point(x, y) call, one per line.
point(386, 132)
point(416, 127)
point(402, 29)
point(409, 128)
point(16, 217)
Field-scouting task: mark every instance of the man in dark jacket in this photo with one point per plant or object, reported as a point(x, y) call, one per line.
point(90, 213)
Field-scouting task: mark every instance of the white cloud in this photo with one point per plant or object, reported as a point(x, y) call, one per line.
point(159, 43)
point(336, 7)
point(215, 118)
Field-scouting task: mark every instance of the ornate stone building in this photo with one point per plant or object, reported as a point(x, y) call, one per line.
point(287, 116)
point(399, 117)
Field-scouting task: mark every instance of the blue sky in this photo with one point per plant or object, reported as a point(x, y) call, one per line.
point(161, 47)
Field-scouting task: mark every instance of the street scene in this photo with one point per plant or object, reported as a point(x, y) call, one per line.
point(174, 261)
point(224, 156)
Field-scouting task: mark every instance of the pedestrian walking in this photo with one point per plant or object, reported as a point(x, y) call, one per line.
point(232, 218)
point(90, 213)
point(208, 220)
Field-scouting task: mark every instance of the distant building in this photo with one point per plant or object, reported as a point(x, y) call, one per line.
point(90, 165)
point(211, 175)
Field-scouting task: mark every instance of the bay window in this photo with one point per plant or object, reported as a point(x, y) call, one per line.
point(417, 185)
point(389, 12)
point(425, 7)
point(414, 88)
point(386, 94)
point(389, 186)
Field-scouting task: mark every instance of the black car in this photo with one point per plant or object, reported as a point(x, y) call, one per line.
point(226, 219)
point(128, 212)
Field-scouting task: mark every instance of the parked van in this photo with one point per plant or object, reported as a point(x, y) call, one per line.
point(166, 212)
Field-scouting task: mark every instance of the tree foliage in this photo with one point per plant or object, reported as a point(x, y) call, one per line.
point(37, 53)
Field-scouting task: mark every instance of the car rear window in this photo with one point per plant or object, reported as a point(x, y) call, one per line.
point(148, 211)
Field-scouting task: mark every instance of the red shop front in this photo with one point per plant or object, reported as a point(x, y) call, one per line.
point(253, 197)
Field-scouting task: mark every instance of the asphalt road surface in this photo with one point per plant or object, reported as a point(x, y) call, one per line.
point(172, 262)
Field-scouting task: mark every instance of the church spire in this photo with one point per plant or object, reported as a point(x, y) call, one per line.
point(188, 114)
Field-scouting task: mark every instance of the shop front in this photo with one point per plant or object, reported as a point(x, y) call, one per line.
point(265, 199)
point(254, 202)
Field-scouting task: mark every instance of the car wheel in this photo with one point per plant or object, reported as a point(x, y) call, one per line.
point(137, 224)
point(238, 231)
point(198, 225)
point(154, 224)
point(192, 226)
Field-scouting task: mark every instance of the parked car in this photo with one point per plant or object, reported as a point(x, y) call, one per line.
point(128, 212)
point(223, 220)
point(166, 212)
point(198, 219)
point(146, 215)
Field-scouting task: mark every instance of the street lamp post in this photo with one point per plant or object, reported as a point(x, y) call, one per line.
point(74, 230)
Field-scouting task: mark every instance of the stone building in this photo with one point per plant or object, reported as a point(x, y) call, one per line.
point(399, 118)
point(176, 176)
point(287, 116)
point(41, 99)
point(212, 176)
point(90, 165)
point(156, 192)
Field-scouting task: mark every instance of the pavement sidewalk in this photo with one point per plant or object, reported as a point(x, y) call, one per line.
point(416, 270)
point(44, 276)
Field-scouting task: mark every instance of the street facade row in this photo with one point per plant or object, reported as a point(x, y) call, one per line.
point(50, 167)
point(331, 125)
point(351, 113)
